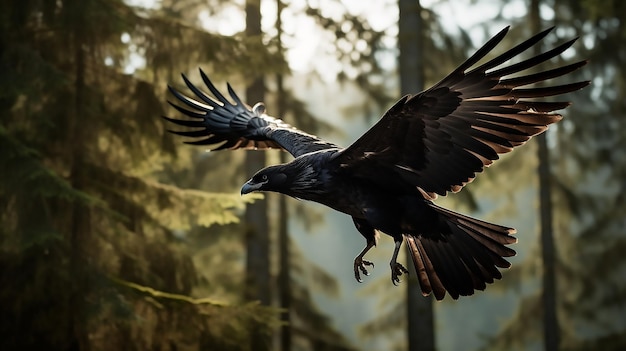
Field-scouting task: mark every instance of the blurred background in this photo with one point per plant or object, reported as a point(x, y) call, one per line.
point(116, 236)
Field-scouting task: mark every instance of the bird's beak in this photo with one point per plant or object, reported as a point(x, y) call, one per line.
point(249, 187)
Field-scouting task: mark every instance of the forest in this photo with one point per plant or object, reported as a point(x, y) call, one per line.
point(114, 235)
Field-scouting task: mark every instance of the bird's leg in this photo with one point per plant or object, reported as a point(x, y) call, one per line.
point(396, 268)
point(360, 263)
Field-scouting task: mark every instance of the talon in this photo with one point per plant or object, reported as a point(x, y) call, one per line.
point(359, 265)
point(397, 270)
point(364, 271)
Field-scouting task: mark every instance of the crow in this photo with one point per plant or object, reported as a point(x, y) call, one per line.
point(425, 145)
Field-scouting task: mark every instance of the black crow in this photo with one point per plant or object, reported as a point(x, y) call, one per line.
point(425, 145)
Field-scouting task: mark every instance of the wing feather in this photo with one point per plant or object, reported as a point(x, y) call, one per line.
point(439, 139)
point(227, 125)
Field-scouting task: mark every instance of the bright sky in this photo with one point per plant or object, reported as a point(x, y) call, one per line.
point(306, 45)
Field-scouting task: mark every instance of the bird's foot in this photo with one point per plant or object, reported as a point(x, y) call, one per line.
point(397, 270)
point(359, 267)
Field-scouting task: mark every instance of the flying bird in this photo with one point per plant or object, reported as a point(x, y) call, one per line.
point(427, 144)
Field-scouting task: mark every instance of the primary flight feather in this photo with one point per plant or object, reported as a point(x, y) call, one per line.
point(425, 145)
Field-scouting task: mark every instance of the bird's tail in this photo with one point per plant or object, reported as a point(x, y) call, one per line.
point(461, 255)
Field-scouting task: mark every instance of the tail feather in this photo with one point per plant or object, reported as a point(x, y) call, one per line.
point(463, 254)
point(429, 281)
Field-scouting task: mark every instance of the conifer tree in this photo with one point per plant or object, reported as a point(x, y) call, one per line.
point(90, 248)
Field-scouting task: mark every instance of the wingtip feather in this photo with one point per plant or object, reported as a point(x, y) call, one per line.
point(234, 95)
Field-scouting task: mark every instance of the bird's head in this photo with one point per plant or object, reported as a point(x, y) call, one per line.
point(268, 179)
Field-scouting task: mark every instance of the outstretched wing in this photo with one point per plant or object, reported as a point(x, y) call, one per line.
point(236, 126)
point(439, 139)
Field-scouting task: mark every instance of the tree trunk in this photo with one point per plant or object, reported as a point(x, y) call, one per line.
point(421, 331)
point(79, 226)
point(283, 234)
point(550, 321)
point(256, 219)
point(283, 252)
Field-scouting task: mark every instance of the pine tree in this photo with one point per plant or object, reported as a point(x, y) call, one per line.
point(90, 242)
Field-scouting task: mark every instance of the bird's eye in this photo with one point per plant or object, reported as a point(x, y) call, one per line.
point(260, 178)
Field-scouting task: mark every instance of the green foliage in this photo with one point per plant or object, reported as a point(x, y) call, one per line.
point(92, 252)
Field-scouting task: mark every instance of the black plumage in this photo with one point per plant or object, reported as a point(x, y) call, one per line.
point(425, 145)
